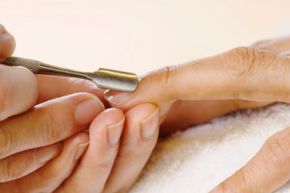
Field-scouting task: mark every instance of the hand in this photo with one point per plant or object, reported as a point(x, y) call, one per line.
point(94, 162)
point(199, 91)
point(117, 152)
point(207, 88)
point(30, 136)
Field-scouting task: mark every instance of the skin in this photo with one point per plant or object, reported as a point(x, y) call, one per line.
point(246, 77)
point(57, 129)
point(68, 152)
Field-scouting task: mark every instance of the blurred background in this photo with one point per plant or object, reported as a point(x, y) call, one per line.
point(138, 35)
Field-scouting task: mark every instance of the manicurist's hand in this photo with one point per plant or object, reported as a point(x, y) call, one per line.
point(241, 78)
point(44, 142)
point(34, 121)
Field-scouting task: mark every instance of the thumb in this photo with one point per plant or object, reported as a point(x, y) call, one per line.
point(7, 43)
point(241, 73)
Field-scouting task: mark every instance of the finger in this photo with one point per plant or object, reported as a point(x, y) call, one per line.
point(51, 87)
point(242, 73)
point(18, 86)
point(277, 45)
point(54, 173)
point(139, 138)
point(266, 172)
point(48, 123)
point(18, 90)
point(7, 43)
point(184, 114)
point(92, 173)
point(23, 163)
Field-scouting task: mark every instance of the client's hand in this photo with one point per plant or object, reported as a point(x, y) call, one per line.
point(201, 90)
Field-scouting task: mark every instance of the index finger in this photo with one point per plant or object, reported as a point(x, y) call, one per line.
point(241, 73)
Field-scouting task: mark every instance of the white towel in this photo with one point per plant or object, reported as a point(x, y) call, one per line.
point(196, 160)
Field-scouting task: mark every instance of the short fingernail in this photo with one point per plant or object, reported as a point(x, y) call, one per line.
point(87, 110)
point(149, 126)
point(81, 150)
point(115, 132)
point(216, 190)
point(116, 98)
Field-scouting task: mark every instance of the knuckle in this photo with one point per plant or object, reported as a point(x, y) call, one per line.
point(246, 185)
point(5, 143)
point(8, 170)
point(278, 146)
point(242, 60)
point(164, 75)
point(51, 125)
point(243, 66)
point(167, 76)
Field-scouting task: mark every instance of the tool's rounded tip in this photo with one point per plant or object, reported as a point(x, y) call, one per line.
point(116, 80)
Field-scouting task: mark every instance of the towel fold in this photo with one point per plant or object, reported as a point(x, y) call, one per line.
point(196, 160)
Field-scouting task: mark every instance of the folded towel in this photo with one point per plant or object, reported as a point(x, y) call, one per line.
point(196, 160)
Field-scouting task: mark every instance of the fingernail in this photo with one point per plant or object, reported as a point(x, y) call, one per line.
point(87, 110)
point(115, 132)
point(149, 126)
point(216, 190)
point(80, 151)
point(116, 98)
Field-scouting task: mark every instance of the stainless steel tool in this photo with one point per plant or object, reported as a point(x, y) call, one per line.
point(103, 78)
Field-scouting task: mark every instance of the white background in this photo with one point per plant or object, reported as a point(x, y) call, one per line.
point(137, 35)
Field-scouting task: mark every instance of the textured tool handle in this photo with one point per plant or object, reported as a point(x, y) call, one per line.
point(103, 78)
point(32, 65)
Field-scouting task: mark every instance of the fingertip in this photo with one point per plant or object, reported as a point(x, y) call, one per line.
point(110, 116)
point(78, 145)
point(142, 110)
point(87, 108)
point(118, 99)
point(8, 44)
point(146, 118)
point(80, 138)
point(139, 139)
point(107, 128)
point(20, 87)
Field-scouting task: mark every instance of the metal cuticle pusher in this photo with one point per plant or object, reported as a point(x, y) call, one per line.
point(103, 78)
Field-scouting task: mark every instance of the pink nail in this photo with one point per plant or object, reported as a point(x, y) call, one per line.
point(87, 110)
point(116, 98)
point(115, 132)
point(150, 125)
